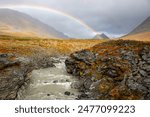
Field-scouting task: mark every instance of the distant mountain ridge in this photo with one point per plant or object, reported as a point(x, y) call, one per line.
point(101, 36)
point(19, 24)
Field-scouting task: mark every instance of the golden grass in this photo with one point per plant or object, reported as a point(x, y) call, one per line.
point(138, 37)
point(29, 46)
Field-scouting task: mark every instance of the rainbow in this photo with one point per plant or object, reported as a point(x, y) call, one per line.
point(45, 8)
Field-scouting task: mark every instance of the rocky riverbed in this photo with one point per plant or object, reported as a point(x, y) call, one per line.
point(14, 72)
point(36, 77)
point(50, 84)
point(112, 70)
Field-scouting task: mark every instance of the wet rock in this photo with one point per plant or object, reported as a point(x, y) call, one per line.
point(67, 93)
point(67, 80)
point(76, 85)
point(48, 94)
point(64, 80)
point(11, 76)
point(55, 81)
point(55, 60)
point(83, 96)
point(6, 60)
point(84, 56)
point(70, 65)
point(41, 61)
point(95, 85)
point(87, 83)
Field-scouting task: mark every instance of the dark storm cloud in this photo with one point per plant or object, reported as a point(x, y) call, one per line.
point(114, 16)
point(111, 16)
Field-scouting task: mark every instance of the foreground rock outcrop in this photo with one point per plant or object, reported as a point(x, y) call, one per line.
point(14, 71)
point(112, 70)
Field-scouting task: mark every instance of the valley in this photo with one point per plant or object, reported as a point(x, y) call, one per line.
point(37, 62)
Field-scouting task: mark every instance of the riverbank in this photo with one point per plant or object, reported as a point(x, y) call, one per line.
point(14, 71)
point(112, 70)
point(20, 56)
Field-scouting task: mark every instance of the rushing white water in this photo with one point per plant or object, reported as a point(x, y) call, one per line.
point(51, 83)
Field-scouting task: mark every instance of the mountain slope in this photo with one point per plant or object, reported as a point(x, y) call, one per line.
point(140, 33)
point(143, 27)
point(145, 36)
point(19, 24)
point(101, 36)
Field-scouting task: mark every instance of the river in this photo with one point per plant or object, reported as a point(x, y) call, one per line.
point(51, 84)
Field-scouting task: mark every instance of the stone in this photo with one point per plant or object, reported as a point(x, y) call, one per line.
point(87, 83)
point(67, 80)
point(84, 56)
point(11, 76)
point(62, 80)
point(95, 85)
point(143, 73)
point(55, 81)
point(83, 96)
point(146, 82)
point(144, 57)
point(76, 85)
point(5, 61)
point(48, 94)
point(147, 68)
point(67, 93)
point(70, 65)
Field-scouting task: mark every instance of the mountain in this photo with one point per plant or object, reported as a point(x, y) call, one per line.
point(101, 36)
point(140, 33)
point(19, 24)
point(143, 27)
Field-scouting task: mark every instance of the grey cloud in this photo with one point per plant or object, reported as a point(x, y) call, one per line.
point(115, 16)
point(111, 16)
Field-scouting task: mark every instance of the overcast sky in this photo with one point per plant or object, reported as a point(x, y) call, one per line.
point(114, 17)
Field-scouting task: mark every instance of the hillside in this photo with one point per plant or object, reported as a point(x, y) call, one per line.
point(140, 33)
point(143, 27)
point(22, 25)
point(145, 36)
